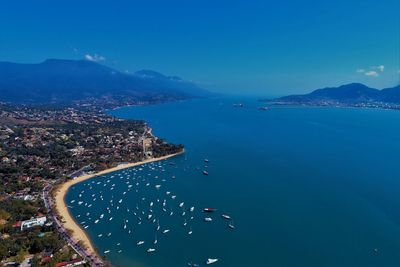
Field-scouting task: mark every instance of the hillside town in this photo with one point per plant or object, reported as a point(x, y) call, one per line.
point(42, 147)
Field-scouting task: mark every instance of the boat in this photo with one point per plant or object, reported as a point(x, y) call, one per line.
point(107, 251)
point(205, 172)
point(238, 105)
point(206, 160)
point(226, 216)
point(231, 225)
point(166, 231)
point(191, 209)
point(151, 250)
point(209, 209)
point(190, 231)
point(208, 219)
point(181, 204)
point(141, 242)
point(211, 261)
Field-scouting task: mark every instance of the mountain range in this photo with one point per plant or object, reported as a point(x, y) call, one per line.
point(64, 81)
point(353, 93)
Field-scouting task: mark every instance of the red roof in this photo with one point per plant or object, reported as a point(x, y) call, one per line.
point(65, 263)
point(17, 224)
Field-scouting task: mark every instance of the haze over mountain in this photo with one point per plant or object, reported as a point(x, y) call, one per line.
point(352, 93)
point(63, 81)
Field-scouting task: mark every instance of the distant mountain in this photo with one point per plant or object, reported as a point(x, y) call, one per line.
point(354, 93)
point(56, 81)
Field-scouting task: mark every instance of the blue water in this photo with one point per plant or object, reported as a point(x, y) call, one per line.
point(304, 186)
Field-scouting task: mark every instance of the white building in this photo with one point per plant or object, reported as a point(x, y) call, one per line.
point(39, 221)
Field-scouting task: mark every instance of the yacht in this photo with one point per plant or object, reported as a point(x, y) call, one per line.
point(208, 219)
point(141, 242)
point(209, 210)
point(211, 261)
point(151, 250)
point(226, 216)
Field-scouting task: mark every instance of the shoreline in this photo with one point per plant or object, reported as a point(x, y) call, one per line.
point(61, 206)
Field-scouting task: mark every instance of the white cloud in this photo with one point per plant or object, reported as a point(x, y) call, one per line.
point(95, 57)
point(372, 73)
point(381, 68)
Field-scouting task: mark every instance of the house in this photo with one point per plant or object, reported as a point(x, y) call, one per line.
point(38, 221)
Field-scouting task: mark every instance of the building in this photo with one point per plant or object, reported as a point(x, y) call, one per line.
point(38, 221)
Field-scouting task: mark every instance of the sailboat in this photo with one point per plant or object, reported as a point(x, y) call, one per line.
point(211, 261)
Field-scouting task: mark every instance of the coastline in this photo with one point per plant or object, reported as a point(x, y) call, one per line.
point(69, 223)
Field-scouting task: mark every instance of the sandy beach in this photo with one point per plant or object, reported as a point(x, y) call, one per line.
point(69, 223)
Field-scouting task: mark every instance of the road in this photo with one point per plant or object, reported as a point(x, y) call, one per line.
point(89, 257)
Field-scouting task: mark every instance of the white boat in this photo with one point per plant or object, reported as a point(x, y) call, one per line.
point(226, 216)
point(166, 231)
point(107, 251)
point(208, 219)
point(211, 261)
point(96, 221)
point(191, 209)
point(141, 242)
point(231, 225)
point(181, 204)
point(151, 250)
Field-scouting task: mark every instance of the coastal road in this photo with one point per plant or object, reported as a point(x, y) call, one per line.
point(89, 257)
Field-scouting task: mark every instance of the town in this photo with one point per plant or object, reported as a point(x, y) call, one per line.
point(40, 148)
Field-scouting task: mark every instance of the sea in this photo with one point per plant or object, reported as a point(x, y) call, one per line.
point(302, 186)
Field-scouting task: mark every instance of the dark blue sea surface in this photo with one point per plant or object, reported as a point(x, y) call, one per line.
point(303, 186)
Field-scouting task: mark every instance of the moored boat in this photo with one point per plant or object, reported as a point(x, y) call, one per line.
point(211, 261)
point(209, 209)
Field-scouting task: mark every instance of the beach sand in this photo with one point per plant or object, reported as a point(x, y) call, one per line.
point(69, 223)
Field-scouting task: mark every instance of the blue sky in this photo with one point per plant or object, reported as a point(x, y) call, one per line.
point(258, 47)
